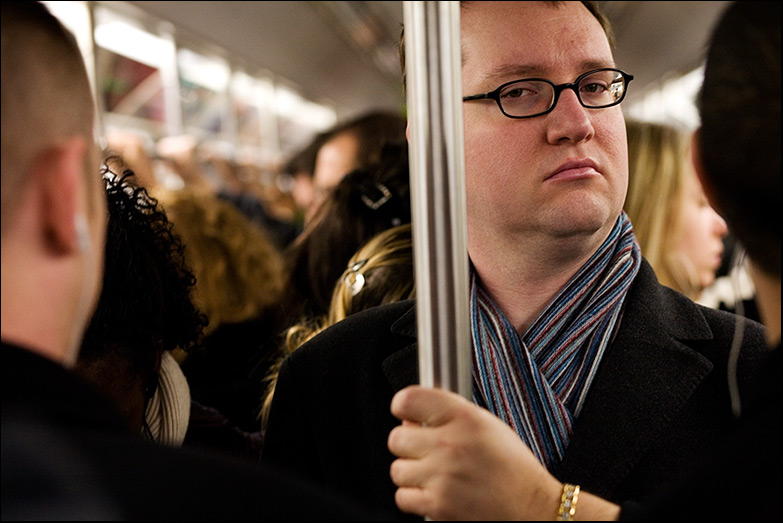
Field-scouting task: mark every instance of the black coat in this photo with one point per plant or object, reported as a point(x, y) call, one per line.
point(658, 404)
point(67, 456)
point(742, 481)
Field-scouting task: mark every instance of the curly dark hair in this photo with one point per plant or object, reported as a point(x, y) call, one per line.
point(145, 305)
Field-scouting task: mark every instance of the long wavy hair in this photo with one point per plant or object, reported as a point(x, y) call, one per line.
point(380, 272)
point(658, 159)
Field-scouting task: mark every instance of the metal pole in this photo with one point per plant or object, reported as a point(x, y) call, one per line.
point(437, 170)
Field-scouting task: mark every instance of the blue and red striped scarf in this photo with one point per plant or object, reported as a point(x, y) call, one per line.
point(537, 382)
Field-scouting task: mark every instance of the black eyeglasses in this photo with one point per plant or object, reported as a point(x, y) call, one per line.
point(531, 97)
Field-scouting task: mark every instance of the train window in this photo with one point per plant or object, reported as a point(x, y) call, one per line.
point(256, 123)
point(672, 100)
point(151, 79)
point(203, 88)
point(132, 66)
point(130, 88)
point(299, 118)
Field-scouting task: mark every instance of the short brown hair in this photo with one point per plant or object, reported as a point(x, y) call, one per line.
point(591, 6)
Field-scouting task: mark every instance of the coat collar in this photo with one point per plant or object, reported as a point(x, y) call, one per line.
point(633, 393)
point(663, 316)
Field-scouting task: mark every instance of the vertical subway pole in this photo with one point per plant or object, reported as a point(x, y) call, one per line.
point(437, 171)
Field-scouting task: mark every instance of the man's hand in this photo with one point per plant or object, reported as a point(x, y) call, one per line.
point(456, 460)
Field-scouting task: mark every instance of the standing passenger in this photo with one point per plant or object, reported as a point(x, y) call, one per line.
point(381, 271)
point(143, 314)
point(616, 382)
point(355, 144)
point(742, 479)
point(364, 202)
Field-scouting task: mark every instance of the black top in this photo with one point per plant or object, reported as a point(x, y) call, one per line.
point(742, 480)
point(658, 404)
point(66, 455)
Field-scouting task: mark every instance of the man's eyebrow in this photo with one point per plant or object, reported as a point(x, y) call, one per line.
point(517, 70)
point(511, 71)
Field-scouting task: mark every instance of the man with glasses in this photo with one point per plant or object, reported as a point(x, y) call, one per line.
point(613, 381)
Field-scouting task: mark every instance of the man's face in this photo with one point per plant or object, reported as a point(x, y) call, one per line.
point(336, 158)
point(559, 175)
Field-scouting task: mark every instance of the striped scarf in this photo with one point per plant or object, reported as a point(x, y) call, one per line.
point(537, 382)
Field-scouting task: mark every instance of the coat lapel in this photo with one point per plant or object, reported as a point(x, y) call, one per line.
point(635, 389)
point(402, 367)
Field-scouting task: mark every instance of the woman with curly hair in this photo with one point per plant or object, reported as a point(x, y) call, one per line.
point(144, 312)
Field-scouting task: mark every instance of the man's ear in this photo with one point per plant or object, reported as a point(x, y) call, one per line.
point(701, 172)
point(59, 172)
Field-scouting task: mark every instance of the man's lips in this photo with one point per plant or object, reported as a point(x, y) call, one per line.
point(574, 169)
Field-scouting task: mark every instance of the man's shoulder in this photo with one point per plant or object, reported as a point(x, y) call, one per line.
point(364, 338)
point(734, 332)
point(681, 316)
point(656, 315)
point(398, 318)
point(383, 314)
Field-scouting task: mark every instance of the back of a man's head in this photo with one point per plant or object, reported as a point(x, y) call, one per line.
point(45, 92)
point(739, 141)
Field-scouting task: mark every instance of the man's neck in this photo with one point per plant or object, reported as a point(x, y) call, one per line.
point(522, 279)
point(30, 317)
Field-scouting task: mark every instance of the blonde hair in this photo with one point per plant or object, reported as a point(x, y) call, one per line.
point(380, 272)
point(237, 266)
point(658, 157)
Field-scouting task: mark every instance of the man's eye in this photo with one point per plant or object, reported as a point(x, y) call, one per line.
point(516, 93)
point(519, 92)
point(594, 88)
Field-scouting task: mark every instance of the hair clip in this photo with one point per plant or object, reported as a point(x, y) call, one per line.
point(355, 279)
point(385, 197)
